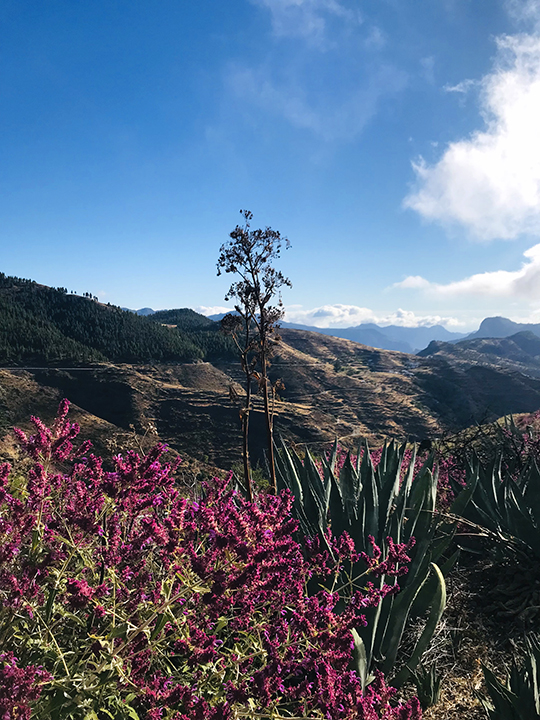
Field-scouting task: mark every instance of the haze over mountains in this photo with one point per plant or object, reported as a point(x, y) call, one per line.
point(396, 337)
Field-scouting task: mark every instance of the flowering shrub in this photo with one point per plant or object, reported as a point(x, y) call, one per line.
point(120, 598)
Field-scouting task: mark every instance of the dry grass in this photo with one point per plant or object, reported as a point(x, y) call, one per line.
point(476, 629)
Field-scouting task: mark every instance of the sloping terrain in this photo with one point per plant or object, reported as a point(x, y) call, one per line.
point(41, 325)
point(518, 353)
point(397, 394)
point(333, 388)
point(69, 346)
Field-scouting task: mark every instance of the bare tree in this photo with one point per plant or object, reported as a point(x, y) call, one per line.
point(240, 327)
point(250, 254)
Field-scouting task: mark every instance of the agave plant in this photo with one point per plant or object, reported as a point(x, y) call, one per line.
point(519, 699)
point(506, 505)
point(428, 685)
point(387, 501)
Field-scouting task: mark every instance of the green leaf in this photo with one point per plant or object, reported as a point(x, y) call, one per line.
point(119, 631)
point(50, 603)
point(221, 623)
point(160, 624)
point(360, 660)
point(437, 609)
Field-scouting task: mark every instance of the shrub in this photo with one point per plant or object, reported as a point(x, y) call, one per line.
point(120, 598)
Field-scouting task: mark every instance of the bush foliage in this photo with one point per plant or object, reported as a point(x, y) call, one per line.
point(121, 598)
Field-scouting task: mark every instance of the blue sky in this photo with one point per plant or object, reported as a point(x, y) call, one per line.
point(395, 143)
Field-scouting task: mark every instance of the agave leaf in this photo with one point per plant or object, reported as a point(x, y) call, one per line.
point(337, 513)
point(368, 510)
point(504, 704)
point(360, 660)
point(377, 620)
point(388, 476)
point(421, 503)
point(349, 485)
point(462, 500)
point(314, 479)
point(400, 613)
point(440, 546)
point(333, 456)
point(423, 600)
point(519, 521)
point(531, 491)
point(436, 611)
point(305, 506)
point(406, 487)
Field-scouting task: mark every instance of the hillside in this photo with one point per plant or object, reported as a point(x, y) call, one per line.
point(393, 393)
point(43, 325)
point(518, 353)
point(174, 371)
point(333, 388)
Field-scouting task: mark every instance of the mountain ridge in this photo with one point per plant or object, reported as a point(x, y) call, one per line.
point(333, 387)
point(384, 337)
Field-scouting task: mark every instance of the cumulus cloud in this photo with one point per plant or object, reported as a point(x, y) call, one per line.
point(489, 183)
point(521, 284)
point(335, 316)
point(213, 309)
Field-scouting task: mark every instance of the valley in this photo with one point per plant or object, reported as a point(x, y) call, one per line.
point(332, 388)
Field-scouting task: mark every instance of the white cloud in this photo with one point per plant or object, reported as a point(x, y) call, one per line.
point(519, 284)
point(490, 182)
point(335, 316)
point(462, 87)
point(307, 19)
point(331, 115)
point(213, 309)
point(525, 11)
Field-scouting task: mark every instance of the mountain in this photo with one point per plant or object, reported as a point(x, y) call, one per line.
point(143, 311)
point(518, 353)
point(388, 337)
point(499, 327)
point(174, 374)
point(392, 337)
point(44, 325)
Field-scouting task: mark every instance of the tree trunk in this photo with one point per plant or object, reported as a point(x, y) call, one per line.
point(269, 428)
point(245, 436)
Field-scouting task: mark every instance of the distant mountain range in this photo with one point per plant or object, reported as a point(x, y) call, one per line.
point(395, 337)
point(389, 337)
point(518, 353)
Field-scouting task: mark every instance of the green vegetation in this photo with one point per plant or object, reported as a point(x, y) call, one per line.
point(519, 697)
point(45, 325)
point(382, 505)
